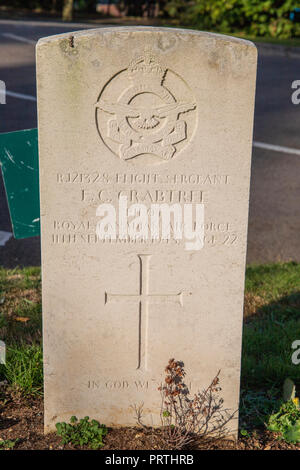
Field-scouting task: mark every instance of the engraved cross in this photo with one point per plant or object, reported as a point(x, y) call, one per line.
point(143, 299)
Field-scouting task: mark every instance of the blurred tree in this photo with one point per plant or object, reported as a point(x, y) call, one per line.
point(162, 7)
point(150, 8)
point(253, 17)
point(67, 12)
point(141, 7)
point(53, 6)
point(134, 7)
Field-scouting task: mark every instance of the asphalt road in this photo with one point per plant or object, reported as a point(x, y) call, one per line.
point(274, 222)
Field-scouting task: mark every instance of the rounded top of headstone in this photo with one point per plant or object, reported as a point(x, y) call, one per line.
point(147, 29)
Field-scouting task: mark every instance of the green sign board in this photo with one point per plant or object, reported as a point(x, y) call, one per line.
point(19, 161)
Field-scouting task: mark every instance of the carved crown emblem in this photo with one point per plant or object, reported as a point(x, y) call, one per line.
point(146, 67)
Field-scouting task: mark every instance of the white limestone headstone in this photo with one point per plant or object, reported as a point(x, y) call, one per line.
point(129, 119)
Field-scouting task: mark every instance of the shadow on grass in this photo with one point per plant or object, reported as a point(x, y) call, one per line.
point(271, 325)
point(267, 344)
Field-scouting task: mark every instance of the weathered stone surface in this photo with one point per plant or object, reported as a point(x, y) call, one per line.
point(160, 116)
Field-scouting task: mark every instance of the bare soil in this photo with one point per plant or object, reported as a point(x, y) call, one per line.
point(22, 419)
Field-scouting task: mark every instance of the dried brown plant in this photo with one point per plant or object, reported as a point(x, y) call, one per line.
point(185, 417)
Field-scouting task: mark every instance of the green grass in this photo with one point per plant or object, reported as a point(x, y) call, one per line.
point(271, 328)
point(24, 369)
point(274, 281)
point(272, 323)
point(20, 328)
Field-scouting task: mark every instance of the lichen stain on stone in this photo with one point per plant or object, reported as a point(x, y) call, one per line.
point(96, 63)
point(226, 58)
point(116, 40)
point(165, 43)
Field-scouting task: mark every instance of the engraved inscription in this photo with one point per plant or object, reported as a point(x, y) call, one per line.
point(143, 299)
point(69, 231)
point(96, 177)
point(122, 384)
point(146, 117)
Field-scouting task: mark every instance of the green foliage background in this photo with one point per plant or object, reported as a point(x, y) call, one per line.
point(254, 17)
point(258, 18)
